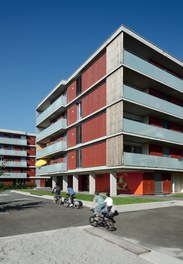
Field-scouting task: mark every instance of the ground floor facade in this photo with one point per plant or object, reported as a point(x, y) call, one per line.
point(136, 182)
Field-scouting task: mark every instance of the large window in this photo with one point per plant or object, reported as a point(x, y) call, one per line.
point(78, 85)
point(78, 158)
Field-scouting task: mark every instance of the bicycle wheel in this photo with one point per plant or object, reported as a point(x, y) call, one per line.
point(109, 225)
point(91, 219)
point(66, 202)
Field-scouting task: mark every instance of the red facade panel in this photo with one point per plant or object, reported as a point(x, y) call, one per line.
point(156, 121)
point(175, 153)
point(102, 182)
point(72, 114)
point(31, 161)
point(94, 128)
point(148, 183)
point(31, 151)
point(166, 180)
point(94, 73)
point(155, 150)
point(176, 127)
point(176, 101)
point(156, 93)
point(71, 92)
point(30, 172)
point(71, 137)
point(94, 155)
point(129, 182)
point(31, 140)
point(71, 160)
point(94, 100)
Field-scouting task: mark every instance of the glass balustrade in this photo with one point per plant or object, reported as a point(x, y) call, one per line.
point(20, 153)
point(152, 71)
point(147, 161)
point(59, 146)
point(13, 141)
point(54, 168)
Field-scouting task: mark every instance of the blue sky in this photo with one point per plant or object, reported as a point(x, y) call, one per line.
point(44, 41)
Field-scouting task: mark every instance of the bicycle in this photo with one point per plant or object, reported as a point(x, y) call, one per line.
point(106, 219)
point(76, 203)
point(58, 199)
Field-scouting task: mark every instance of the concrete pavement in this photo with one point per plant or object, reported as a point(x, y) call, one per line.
point(126, 244)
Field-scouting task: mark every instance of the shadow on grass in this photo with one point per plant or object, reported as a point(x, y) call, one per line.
point(12, 205)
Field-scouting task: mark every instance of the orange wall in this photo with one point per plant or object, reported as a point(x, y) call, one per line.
point(71, 137)
point(71, 160)
point(72, 114)
point(71, 91)
point(94, 128)
point(94, 100)
point(94, 73)
point(94, 155)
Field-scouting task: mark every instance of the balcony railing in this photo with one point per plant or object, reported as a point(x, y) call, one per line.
point(59, 146)
point(150, 101)
point(145, 130)
point(152, 71)
point(51, 169)
point(16, 164)
point(57, 126)
point(6, 152)
point(12, 175)
point(147, 161)
point(13, 141)
point(59, 103)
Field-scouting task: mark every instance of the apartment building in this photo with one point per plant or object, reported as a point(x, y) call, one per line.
point(17, 156)
point(117, 123)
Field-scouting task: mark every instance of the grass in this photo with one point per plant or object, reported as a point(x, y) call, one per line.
point(89, 197)
point(178, 195)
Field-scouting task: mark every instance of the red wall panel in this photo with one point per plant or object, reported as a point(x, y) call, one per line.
point(71, 137)
point(71, 160)
point(94, 128)
point(175, 127)
point(130, 182)
point(94, 155)
point(156, 93)
point(94, 100)
point(94, 73)
point(175, 153)
point(102, 182)
point(176, 101)
point(31, 140)
point(71, 91)
point(167, 185)
point(148, 183)
point(72, 114)
point(156, 121)
point(30, 172)
point(31, 151)
point(155, 150)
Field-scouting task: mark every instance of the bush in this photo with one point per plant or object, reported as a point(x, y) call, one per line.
point(16, 186)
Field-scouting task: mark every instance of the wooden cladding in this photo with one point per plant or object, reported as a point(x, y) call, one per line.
point(114, 86)
point(115, 151)
point(115, 118)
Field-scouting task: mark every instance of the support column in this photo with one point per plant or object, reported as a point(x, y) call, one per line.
point(65, 183)
point(113, 184)
point(54, 180)
point(173, 184)
point(91, 183)
point(75, 183)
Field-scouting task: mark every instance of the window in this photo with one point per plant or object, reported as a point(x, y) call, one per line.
point(78, 158)
point(79, 111)
point(132, 148)
point(78, 134)
point(78, 85)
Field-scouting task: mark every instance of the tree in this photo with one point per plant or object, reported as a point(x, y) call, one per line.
point(2, 166)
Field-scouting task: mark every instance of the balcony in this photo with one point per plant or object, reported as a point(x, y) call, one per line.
point(146, 161)
point(150, 101)
point(12, 175)
point(49, 169)
point(59, 104)
point(13, 141)
point(17, 164)
point(144, 130)
point(152, 71)
point(52, 129)
point(54, 148)
point(6, 152)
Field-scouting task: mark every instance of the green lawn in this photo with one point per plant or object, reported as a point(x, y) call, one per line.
point(178, 195)
point(89, 197)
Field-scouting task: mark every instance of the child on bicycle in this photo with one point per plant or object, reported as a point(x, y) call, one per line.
point(98, 204)
point(56, 190)
point(109, 202)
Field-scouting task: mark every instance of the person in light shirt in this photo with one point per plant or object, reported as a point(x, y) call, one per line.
point(109, 202)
